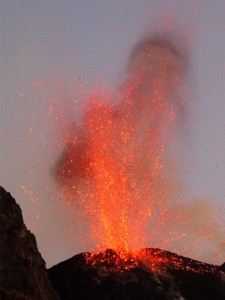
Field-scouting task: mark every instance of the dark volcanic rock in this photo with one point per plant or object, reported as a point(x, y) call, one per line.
point(159, 275)
point(23, 272)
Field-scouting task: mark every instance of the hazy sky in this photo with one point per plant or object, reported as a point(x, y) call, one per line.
point(88, 41)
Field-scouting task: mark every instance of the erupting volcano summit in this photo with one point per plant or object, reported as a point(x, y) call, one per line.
point(116, 169)
point(152, 274)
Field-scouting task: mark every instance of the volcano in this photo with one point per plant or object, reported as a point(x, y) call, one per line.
point(146, 274)
point(160, 275)
point(117, 171)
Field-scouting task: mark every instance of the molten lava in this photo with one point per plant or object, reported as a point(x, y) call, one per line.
point(114, 164)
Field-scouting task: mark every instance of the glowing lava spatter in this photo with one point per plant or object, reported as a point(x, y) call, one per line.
point(114, 163)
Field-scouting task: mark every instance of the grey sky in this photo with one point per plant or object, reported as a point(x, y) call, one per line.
point(38, 37)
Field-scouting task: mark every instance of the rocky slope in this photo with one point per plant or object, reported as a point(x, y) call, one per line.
point(159, 275)
point(23, 272)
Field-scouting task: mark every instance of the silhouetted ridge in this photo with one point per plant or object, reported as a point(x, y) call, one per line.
point(23, 272)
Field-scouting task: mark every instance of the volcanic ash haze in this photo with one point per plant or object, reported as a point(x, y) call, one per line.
point(116, 162)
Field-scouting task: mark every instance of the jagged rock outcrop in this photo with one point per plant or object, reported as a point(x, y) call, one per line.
point(23, 271)
point(160, 275)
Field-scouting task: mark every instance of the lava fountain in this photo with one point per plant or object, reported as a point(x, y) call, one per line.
point(114, 164)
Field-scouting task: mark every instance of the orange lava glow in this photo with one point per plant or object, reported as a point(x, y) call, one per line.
point(114, 164)
point(158, 261)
